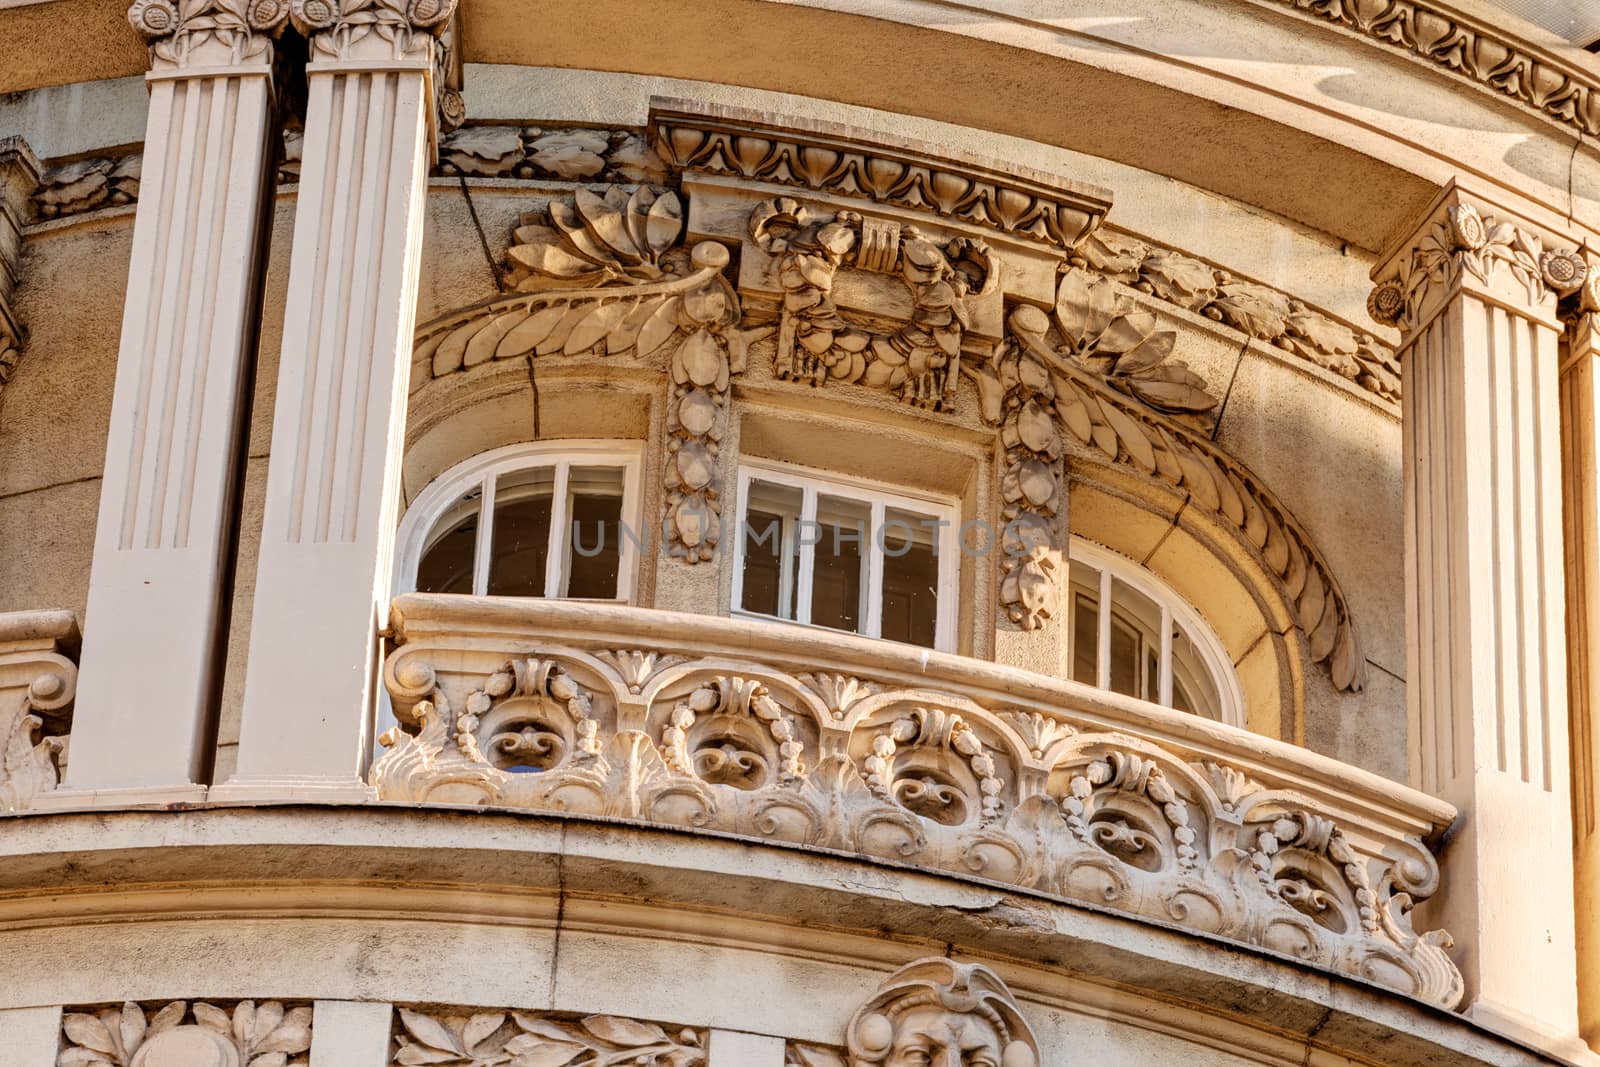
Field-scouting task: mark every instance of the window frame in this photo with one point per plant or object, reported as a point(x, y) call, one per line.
point(443, 493)
point(1174, 608)
point(880, 498)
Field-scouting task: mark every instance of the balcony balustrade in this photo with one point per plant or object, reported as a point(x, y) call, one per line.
point(807, 738)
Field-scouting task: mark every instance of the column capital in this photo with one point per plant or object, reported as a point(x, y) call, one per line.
point(1467, 242)
point(204, 36)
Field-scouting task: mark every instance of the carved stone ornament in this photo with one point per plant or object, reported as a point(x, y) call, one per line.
point(19, 177)
point(530, 1039)
point(208, 32)
point(1479, 50)
point(920, 361)
point(922, 777)
point(372, 29)
point(725, 142)
point(604, 275)
point(1462, 244)
point(249, 1035)
point(88, 185)
point(37, 685)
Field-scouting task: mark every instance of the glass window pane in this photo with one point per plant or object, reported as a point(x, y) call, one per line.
point(1135, 629)
point(839, 558)
point(771, 514)
point(1085, 623)
point(1124, 656)
point(1193, 688)
point(910, 578)
point(595, 528)
point(521, 533)
point(446, 564)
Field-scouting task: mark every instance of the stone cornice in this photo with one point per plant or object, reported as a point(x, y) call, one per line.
point(827, 158)
point(1530, 75)
point(1467, 241)
point(208, 33)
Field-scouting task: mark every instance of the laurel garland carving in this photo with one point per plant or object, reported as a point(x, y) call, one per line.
point(267, 1034)
point(1254, 309)
point(1464, 243)
point(1563, 91)
point(1163, 446)
point(530, 1039)
point(923, 777)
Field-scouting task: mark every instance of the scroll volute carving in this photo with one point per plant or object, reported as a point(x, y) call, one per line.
point(938, 1011)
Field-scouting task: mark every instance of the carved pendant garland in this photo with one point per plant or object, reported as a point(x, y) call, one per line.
point(517, 1038)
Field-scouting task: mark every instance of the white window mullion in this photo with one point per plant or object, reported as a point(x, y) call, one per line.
point(1103, 641)
point(483, 549)
point(736, 594)
point(555, 564)
point(806, 532)
point(1165, 697)
point(872, 561)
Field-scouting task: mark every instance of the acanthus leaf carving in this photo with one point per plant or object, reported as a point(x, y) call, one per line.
point(214, 32)
point(371, 29)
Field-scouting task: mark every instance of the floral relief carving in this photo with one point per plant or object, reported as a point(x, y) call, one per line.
point(1564, 92)
point(1254, 309)
point(1463, 243)
point(380, 29)
point(924, 777)
point(560, 154)
point(267, 1034)
point(921, 360)
point(180, 31)
point(530, 1039)
point(1153, 429)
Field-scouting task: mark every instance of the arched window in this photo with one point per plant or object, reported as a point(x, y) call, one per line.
point(1132, 634)
point(558, 519)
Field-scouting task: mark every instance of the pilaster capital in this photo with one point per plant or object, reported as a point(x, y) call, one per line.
point(373, 31)
point(208, 34)
point(1580, 311)
point(1468, 243)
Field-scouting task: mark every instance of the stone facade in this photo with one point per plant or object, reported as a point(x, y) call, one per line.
point(1240, 710)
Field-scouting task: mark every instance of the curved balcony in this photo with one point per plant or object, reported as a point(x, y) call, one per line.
point(811, 739)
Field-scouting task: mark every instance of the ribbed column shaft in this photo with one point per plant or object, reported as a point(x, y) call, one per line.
point(332, 482)
point(157, 594)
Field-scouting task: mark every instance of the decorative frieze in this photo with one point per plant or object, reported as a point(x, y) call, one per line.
point(19, 176)
point(1558, 88)
point(1038, 797)
point(554, 153)
point(515, 1038)
point(1264, 313)
point(179, 1034)
point(735, 143)
point(88, 185)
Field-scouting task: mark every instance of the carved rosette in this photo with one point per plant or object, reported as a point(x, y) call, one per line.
point(927, 778)
point(208, 32)
point(248, 1034)
point(1462, 244)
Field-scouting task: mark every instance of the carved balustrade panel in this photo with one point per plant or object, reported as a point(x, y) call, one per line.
point(707, 724)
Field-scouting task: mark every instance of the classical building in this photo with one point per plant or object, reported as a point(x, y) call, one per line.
point(799, 533)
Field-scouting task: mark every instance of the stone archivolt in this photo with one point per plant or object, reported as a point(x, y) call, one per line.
point(1036, 797)
point(249, 1034)
point(517, 1038)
